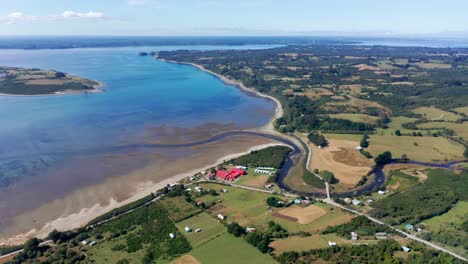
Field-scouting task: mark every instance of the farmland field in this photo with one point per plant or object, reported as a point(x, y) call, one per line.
point(228, 249)
point(426, 149)
point(460, 129)
point(433, 113)
point(462, 110)
point(210, 228)
point(306, 243)
point(356, 117)
point(177, 208)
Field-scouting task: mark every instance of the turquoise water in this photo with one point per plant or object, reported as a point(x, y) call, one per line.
point(49, 137)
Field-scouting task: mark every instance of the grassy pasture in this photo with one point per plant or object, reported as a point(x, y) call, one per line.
point(454, 217)
point(210, 227)
point(177, 208)
point(400, 181)
point(228, 249)
point(460, 129)
point(356, 118)
point(417, 148)
point(433, 113)
point(306, 243)
point(462, 110)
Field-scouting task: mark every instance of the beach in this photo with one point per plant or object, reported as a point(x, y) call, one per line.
point(82, 205)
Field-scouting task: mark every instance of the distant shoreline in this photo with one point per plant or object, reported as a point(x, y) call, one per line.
point(96, 89)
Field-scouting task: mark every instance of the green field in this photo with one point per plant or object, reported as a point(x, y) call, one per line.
point(450, 228)
point(462, 110)
point(249, 208)
point(395, 124)
point(455, 217)
point(178, 209)
point(460, 129)
point(356, 117)
point(228, 249)
point(416, 148)
point(433, 113)
point(210, 228)
point(400, 181)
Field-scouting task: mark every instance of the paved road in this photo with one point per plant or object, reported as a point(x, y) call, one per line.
point(329, 201)
point(14, 253)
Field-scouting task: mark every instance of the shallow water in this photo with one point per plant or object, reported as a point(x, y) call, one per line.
point(71, 137)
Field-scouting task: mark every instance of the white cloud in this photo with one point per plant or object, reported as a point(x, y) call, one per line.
point(136, 2)
point(17, 17)
point(90, 14)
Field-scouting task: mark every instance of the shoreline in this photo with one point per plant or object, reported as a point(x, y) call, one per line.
point(269, 127)
point(85, 215)
point(96, 89)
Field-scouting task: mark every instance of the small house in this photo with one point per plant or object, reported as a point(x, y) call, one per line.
point(198, 230)
point(188, 189)
point(356, 202)
point(347, 200)
point(305, 202)
point(198, 189)
point(171, 235)
point(187, 229)
point(224, 190)
point(241, 167)
point(354, 236)
point(250, 229)
point(370, 201)
point(85, 242)
point(222, 217)
point(409, 227)
point(199, 202)
point(358, 148)
point(332, 244)
point(381, 192)
point(406, 249)
point(92, 243)
point(297, 201)
point(419, 229)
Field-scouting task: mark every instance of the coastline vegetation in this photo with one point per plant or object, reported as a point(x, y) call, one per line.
point(20, 81)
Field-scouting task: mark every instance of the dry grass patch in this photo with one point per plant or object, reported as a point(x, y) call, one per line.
point(363, 67)
point(303, 215)
point(186, 259)
point(356, 117)
point(306, 243)
point(341, 158)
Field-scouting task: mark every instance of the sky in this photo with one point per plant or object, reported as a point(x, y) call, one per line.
point(234, 17)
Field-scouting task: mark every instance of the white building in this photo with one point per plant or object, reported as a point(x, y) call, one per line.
point(241, 167)
point(188, 229)
point(171, 235)
point(222, 217)
point(356, 202)
point(381, 192)
point(92, 243)
point(262, 171)
point(406, 249)
point(354, 236)
point(197, 230)
point(331, 243)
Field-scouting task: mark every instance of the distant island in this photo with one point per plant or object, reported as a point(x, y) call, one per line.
point(21, 81)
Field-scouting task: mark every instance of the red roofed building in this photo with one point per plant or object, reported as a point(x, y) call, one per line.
point(230, 175)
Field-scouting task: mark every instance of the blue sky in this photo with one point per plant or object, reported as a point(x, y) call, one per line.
point(233, 17)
